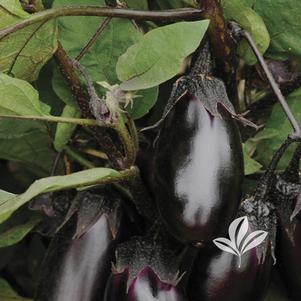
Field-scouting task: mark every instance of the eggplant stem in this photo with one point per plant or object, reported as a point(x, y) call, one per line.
point(274, 85)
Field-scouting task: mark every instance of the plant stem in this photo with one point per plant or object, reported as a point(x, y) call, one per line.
point(56, 119)
point(273, 84)
point(162, 15)
point(94, 38)
point(78, 158)
point(223, 46)
point(101, 135)
point(127, 142)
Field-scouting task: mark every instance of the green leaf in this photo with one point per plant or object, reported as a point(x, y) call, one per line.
point(279, 124)
point(101, 59)
point(158, 56)
point(251, 165)
point(24, 141)
point(137, 4)
point(282, 19)
point(11, 12)
point(24, 52)
point(81, 178)
point(250, 21)
point(33, 149)
point(4, 195)
point(18, 97)
point(142, 105)
point(167, 4)
point(62, 89)
point(7, 293)
point(18, 232)
point(64, 131)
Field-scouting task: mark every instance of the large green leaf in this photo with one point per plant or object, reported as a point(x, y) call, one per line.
point(33, 149)
point(250, 21)
point(101, 59)
point(7, 293)
point(158, 56)
point(142, 104)
point(137, 4)
point(81, 178)
point(24, 52)
point(279, 124)
point(18, 97)
point(27, 142)
point(11, 12)
point(16, 233)
point(4, 195)
point(167, 4)
point(282, 19)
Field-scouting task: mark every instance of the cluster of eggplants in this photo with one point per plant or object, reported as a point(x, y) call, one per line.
point(195, 176)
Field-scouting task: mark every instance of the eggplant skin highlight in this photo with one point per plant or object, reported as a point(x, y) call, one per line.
point(76, 270)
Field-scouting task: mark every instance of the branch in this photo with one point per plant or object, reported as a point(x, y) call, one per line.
point(56, 119)
point(101, 135)
point(274, 85)
point(223, 45)
point(162, 15)
point(94, 38)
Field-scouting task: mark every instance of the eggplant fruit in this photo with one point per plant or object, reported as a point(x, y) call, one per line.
point(238, 272)
point(76, 270)
point(220, 276)
point(198, 170)
point(78, 261)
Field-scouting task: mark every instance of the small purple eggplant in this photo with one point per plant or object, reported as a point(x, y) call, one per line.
point(78, 260)
point(145, 270)
point(198, 162)
point(287, 198)
point(222, 276)
point(241, 272)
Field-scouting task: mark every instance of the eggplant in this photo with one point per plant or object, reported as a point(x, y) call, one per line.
point(287, 196)
point(221, 276)
point(198, 163)
point(236, 273)
point(78, 261)
point(146, 269)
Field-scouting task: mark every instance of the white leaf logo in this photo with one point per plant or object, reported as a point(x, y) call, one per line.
point(239, 242)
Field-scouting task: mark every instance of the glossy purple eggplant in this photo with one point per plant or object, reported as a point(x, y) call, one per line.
point(198, 170)
point(220, 276)
point(217, 274)
point(198, 163)
point(287, 194)
point(147, 268)
point(78, 260)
